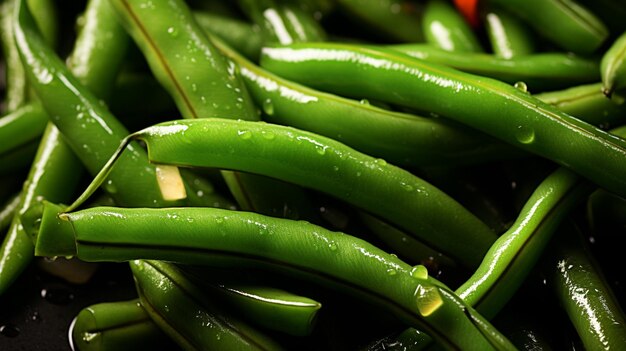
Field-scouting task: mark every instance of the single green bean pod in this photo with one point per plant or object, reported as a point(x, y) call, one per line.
point(613, 67)
point(323, 164)
point(588, 103)
point(584, 293)
point(220, 238)
point(475, 101)
point(189, 317)
point(446, 29)
point(507, 34)
point(538, 71)
point(22, 126)
point(400, 138)
point(566, 23)
point(395, 20)
point(122, 326)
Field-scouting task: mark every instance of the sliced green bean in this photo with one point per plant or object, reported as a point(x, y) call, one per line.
point(218, 237)
point(22, 126)
point(244, 37)
point(122, 326)
point(588, 103)
point(613, 67)
point(188, 316)
point(507, 34)
point(566, 23)
point(585, 295)
point(476, 101)
point(538, 71)
point(325, 165)
point(446, 29)
point(395, 20)
point(282, 23)
point(400, 138)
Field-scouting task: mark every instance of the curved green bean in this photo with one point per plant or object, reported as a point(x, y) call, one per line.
point(613, 67)
point(508, 36)
point(325, 165)
point(585, 295)
point(538, 71)
point(122, 326)
point(219, 237)
point(476, 101)
point(400, 138)
point(446, 29)
point(588, 103)
point(189, 317)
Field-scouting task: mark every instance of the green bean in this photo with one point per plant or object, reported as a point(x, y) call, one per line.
point(396, 20)
point(565, 23)
point(54, 164)
point(400, 138)
point(538, 71)
point(513, 255)
point(507, 34)
point(585, 295)
point(22, 126)
point(588, 103)
point(282, 23)
point(16, 83)
point(116, 326)
point(8, 210)
point(476, 101)
point(270, 308)
point(219, 237)
point(446, 29)
point(613, 67)
point(160, 286)
point(245, 38)
point(325, 165)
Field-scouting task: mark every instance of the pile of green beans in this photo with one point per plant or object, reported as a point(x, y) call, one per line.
point(320, 174)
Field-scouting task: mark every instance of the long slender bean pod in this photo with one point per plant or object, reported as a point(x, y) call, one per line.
point(507, 34)
point(588, 103)
point(538, 71)
point(397, 20)
point(22, 126)
point(585, 295)
point(170, 299)
point(282, 23)
point(325, 165)
point(244, 37)
point(445, 28)
point(400, 138)
point(219, 237)
point(122, 326)
point(565, 23)
point(513, 255)
point(613, 67)
point(476, 101)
